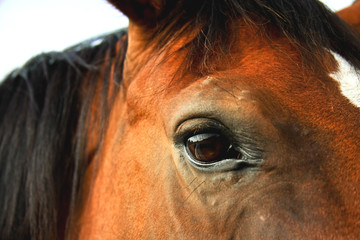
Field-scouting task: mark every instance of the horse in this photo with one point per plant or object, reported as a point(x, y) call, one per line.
point(225, 119)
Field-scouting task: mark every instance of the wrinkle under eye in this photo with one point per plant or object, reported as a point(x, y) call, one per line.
point(210, 148)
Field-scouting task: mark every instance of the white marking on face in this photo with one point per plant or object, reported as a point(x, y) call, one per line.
point(349, 79)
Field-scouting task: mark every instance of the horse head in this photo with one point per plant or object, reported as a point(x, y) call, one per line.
point(232, 122)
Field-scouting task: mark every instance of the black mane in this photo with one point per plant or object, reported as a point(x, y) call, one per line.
point(309, 24)
point(44, 114)
point(45, 106)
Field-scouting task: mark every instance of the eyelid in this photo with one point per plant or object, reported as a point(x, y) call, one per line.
point(195, 126)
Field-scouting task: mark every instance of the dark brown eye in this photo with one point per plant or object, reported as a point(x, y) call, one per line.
point(209, 148)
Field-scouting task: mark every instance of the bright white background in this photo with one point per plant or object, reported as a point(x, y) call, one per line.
point(29, 27)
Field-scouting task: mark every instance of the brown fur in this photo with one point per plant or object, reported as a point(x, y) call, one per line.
point(351, 15)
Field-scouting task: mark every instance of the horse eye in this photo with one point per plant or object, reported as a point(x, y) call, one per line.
point(209, 148)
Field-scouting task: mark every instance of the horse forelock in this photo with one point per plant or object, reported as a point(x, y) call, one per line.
point(213, 22)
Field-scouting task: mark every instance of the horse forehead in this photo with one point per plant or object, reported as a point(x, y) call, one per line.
point(162, 68)
point(255, 64)
point(164, 76)
point(160, 88)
